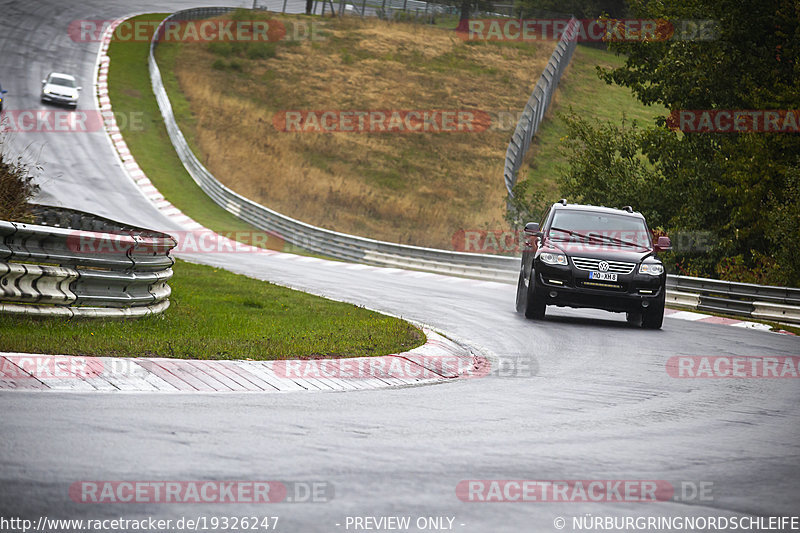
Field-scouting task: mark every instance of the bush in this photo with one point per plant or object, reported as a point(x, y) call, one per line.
point(223, 49)
point(260, 50)
point(17, 187)
point(783, 230)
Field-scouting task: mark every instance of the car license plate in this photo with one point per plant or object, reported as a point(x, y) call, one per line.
point(603, 276)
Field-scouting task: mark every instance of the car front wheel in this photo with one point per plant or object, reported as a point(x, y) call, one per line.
point(534, 301)
point(522, 294)
point(653, 316)
point(634, 318)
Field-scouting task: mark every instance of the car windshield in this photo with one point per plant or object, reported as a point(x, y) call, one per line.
point(63, 82)
point(594, 226)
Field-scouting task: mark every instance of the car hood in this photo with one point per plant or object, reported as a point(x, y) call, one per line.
point(630, 254)
point(60, 89)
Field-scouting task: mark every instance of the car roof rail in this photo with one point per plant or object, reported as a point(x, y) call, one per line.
point(563, 201)
point(628, 208)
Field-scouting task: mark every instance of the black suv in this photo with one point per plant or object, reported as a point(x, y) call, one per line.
point(588, 256)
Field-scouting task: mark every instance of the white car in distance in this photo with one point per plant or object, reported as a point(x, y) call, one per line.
point(60, 89)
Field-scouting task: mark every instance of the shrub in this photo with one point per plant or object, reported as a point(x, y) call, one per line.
point(260, 50)
point(223, 49)
point(17, 187)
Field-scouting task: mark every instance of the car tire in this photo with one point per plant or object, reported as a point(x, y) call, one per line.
point(634, 318)
point(534, 303)
point(522, 294)
point(653, 316)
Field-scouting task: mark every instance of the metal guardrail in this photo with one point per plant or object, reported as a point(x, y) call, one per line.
point(537, 104)
point(763, 302)
point(76, 264)
point(371, 8)
point(768, 303)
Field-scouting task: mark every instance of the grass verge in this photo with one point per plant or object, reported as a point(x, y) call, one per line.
point(215, 314)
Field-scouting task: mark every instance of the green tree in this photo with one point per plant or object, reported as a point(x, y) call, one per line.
point(742, 186)
point(750, 61)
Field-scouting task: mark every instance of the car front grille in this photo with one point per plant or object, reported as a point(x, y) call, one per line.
point(618, 267)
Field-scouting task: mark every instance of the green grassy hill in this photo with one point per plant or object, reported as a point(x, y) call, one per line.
point(583, 93)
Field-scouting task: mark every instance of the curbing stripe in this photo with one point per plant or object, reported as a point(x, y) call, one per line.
point(245, 375)
point(110, 374)
point(154, 369)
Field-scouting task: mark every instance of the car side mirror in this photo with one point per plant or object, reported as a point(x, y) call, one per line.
point(80, 88)
point(532, 228)
point(663, 244)
point(44, 81)
point(3, 91)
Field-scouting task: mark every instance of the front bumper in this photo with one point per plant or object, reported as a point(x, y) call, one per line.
point(567, 286)
point(62, 100)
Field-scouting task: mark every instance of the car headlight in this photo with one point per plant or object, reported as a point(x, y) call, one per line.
point(47, 91)
point(654, 269)
point(553, 259)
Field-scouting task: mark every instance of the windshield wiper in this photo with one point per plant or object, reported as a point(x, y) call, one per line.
point(573, 233)
point(620, 241)
point(597, 237)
